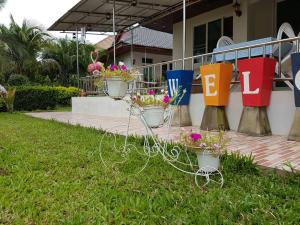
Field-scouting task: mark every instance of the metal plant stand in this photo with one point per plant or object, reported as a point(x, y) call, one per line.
point(175, 155)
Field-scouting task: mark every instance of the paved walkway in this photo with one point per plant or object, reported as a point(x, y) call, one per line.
point(272, 151)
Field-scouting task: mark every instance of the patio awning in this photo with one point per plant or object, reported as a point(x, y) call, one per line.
point(96, 15)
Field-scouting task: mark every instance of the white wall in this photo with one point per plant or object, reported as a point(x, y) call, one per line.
point(239, 31)
point(280, 112)
point(157, 58)
point(258, 20)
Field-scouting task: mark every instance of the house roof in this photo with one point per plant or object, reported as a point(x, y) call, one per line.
point(96, 15)
point(143, 36)
point(106, 43)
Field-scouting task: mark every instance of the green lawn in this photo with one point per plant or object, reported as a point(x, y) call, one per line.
point(51, 173)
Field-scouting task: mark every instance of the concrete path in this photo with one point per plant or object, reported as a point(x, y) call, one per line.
point(272, 151)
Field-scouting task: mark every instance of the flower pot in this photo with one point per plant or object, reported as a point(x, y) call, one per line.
point(208, 162)
point(154, 115)
point(116, 87)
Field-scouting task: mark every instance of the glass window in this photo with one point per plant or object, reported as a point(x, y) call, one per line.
point(228, 27)
point(200, 39)
point(214, 34)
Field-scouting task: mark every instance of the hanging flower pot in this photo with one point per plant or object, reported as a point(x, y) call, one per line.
point(116, 87)
point(208, 162)
point(154, 115)
point(117, 80)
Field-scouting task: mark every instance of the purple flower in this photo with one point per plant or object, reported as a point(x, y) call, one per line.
point(123, 67)
point(166, 99)
point(195, 136)
point(113, 67)
point(150, 92)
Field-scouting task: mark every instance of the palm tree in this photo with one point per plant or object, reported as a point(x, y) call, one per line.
point(22, 44)
point(2, 3)
point(63, 52)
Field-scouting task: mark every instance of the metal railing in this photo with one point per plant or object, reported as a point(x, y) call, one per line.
point(158, 77)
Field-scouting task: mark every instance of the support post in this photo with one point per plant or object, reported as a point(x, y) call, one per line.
point(77, 55)
point(183, 35)
point(114, 31)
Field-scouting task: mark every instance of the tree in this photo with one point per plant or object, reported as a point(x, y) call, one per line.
point(62, 52)
point(21, 45)
point(2, 3)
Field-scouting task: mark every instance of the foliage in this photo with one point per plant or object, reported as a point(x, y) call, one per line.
point(17, 80)
point(213, 142)
point(65, 94)
point(237, 163)
point(9, 98)
point(52, 174)
point(43, 97)
point(120, 71)
point(27, 49)
point(59, 60)
point(21, 45)
point(2, 3)
point(151, 99)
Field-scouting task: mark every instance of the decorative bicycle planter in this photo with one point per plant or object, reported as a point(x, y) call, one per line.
point(176, 155)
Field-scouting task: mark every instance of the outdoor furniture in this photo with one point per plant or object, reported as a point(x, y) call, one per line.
point(254, 52)
point(224, 41)
point(287, 49)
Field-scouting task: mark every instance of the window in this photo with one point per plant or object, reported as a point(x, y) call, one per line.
point(200, 39)
point(148, 72)
point(207, 35)
point(147, 61)
point(214, 33)
point(228, 27)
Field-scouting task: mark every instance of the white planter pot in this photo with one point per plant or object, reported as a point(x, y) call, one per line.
point(208, 162)
point(116, 87)
point(154, 115)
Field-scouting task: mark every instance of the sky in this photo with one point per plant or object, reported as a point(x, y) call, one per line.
point(40, 12)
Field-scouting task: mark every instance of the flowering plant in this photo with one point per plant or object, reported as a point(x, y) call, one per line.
point(151, 99)
point(214, 143)
point(120, 71)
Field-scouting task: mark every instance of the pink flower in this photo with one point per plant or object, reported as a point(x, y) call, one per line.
point(202, 145)
point(113, 67)
point(150, 92)
point(216, 146)
point(123, 67)
point(195, 136)
point(166, 99)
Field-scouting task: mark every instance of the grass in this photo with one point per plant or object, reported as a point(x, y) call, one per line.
point(51, 173)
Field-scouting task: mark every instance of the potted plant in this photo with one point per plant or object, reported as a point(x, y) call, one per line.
point(208, 146)
point(153, 106)
point(117, 79)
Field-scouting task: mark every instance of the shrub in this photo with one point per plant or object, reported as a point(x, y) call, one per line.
point(17, 80)
point(64, 94)
point(43, 97)
point(2, 105)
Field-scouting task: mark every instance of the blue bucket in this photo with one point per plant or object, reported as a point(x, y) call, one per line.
point(296, 76)
point(180, 80)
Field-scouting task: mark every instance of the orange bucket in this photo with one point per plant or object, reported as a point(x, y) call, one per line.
point(216, 83)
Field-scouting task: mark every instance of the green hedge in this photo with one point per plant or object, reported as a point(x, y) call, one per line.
point(2, 105)
point(43, 97)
